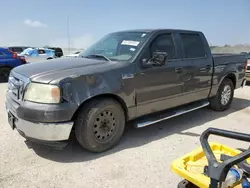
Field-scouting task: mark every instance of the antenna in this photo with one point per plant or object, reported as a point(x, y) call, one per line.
point(68, 29)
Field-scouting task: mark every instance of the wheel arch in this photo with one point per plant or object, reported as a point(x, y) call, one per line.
point(6, 66)
point(104, 96)
point(232, 77)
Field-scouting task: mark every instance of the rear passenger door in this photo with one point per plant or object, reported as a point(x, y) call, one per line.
point(198, 67)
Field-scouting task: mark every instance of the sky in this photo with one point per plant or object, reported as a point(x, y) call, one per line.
point(39, 23)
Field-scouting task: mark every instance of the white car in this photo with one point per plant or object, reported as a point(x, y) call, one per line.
point(38, 54)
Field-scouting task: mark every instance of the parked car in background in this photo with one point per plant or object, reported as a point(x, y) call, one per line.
point(18, 49)
point(38, 54)
point(8, 60)
point(248, 67)
point(58, 51)
point(130, 75)
point(76, 54)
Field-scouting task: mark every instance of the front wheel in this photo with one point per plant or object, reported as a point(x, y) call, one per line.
point(224, 96)
point(100, 124)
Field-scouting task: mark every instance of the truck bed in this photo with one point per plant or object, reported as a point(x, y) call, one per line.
point(228, 58)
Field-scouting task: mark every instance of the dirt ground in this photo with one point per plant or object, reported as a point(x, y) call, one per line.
point(142, 159)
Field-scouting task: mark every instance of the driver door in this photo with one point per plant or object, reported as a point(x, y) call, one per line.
point(160, 87)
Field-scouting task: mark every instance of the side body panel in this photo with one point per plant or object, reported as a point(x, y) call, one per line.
point(225, 65)
point(198, 70)
point(158, 88)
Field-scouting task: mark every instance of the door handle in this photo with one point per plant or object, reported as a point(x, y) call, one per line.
point(178, 70)
point(208, 67)
point(204, 69)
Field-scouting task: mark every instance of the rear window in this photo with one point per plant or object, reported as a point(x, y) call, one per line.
point(248, 56)
point(193, 46)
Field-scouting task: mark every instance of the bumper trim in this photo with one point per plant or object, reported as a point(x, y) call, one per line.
point(59, 131)
point(53, 144)
point(44, 131)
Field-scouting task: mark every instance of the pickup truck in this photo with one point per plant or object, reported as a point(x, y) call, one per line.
point(143, 76)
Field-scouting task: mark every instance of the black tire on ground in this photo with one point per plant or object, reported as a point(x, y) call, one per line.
point(186, 184)
point(100, 124)
point(4, 74)
point(224, 97)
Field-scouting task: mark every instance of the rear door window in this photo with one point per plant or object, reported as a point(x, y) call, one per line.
point(193, 46)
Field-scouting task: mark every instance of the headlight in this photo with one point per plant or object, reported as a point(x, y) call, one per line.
point(42, 93)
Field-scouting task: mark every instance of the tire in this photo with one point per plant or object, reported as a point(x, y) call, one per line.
point(99, 125)
point(4, 74)
point(186, 184)
point(217, 103)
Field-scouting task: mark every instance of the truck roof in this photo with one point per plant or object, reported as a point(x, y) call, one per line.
point(159, 30)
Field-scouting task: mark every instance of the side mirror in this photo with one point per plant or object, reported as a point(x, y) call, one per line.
point(158, 59)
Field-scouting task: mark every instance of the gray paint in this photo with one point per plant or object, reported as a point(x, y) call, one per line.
point(142, 90)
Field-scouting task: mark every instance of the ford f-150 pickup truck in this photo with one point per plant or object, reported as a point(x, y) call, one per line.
point(142, 75)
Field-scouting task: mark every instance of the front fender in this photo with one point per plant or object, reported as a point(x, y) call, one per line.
point(77, 90)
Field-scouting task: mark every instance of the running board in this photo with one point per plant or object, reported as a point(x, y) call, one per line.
point(152, 119)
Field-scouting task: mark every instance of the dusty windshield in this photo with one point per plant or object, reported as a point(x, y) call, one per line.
point(121, 46)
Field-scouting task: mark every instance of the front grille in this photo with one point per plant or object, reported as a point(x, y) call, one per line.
point(16, 86)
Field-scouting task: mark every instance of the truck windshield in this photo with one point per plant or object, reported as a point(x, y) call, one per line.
point(120, 46)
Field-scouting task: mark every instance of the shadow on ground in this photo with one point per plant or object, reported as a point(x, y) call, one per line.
point(137, 137)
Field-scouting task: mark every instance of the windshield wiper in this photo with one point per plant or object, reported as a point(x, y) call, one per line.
point(97, 56)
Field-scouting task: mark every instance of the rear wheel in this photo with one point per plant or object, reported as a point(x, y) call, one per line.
point(186, 184)
point(4, 74)
point(224, 96)
point(100, 125)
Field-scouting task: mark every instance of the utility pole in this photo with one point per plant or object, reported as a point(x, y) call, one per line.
point(68, 32)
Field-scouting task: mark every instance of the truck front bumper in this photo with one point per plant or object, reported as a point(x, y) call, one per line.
point(38, 130)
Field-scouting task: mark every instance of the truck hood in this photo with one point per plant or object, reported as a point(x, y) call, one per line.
point(49, 70)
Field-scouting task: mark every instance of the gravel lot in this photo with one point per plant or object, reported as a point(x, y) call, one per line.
point(142, 159)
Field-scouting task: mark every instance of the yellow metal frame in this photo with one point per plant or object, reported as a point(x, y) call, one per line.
point(191, 165)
